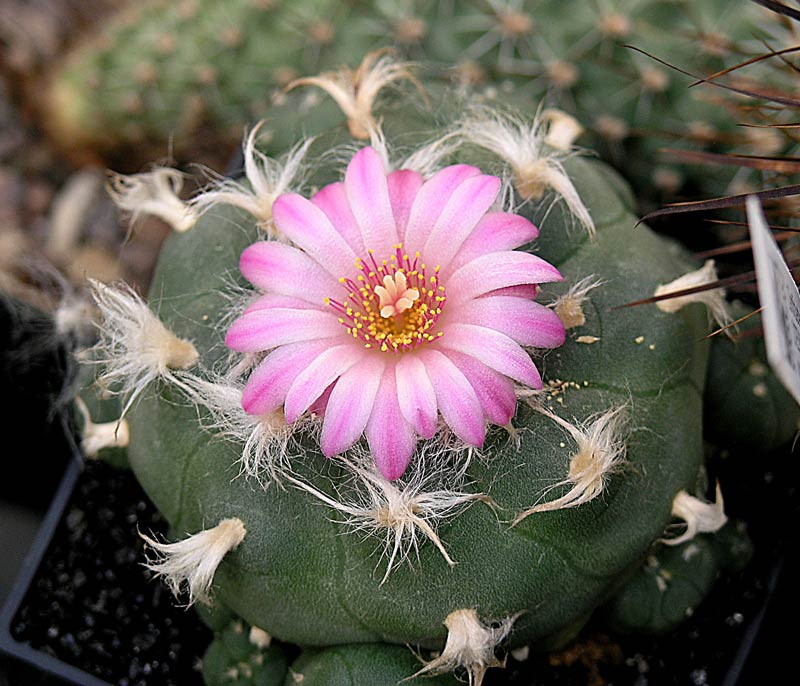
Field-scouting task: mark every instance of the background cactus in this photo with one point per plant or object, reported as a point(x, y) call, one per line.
point(294, 574)
point(175, 69)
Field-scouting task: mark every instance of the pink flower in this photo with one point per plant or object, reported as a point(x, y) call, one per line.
point(402, 301)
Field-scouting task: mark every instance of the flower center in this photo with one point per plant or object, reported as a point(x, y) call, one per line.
point(392, 305)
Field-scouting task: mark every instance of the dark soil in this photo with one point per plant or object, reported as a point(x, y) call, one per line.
point(93, 604)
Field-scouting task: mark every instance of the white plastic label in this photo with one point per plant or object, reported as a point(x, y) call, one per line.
point(780, 299)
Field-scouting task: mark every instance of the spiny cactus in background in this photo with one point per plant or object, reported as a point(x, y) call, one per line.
point(359, 350)
point(165, 70)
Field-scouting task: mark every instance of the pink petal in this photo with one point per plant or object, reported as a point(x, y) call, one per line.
point(495, 391)
point(525, 291)
point(368, 193)
point(464, 209)
point(332, 200)
point(456, 398)
point(497, 270)
point(319, 406)
point(308, 227)
point(317, 376)
point(272, 301)
point(431, 200)
point(494, 349)
point(416, 395)
point(496, 232)
point(391, 438)
point(282, 269)
point(527, 322)
point(403, 187)
point(263, 329)
point(350, 405)
point(268, 384)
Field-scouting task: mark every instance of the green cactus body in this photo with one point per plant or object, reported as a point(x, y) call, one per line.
point(746, 405)
point(668, 589)
point(301, 576)
point(353, 665)
point(170, 68)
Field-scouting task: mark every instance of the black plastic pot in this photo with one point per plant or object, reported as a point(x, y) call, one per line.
point(8, 644)
point(84, 608)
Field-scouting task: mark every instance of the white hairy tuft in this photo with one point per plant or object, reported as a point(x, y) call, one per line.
point(427, 159)
point(74, 316)
point(713, 299)
point(600, 452)
point(97, 437)
point(569, 307)
point(192, 562)
point(356, 92)
point(470, 645)
point(265, 439)
point(259, 638)
point(400, 512)
point(155, 192)
point(522, 144)
point(562, 129)
point(267, 179)
point(135, 348)
point(700, 517)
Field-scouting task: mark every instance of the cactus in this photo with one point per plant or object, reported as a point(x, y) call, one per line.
point(469, 496)
point(352, 665)
point(239, 656)
point(173, 68)
point(674, 581)
point(746, 405)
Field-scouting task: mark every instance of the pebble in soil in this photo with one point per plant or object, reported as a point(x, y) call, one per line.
point(92, 603)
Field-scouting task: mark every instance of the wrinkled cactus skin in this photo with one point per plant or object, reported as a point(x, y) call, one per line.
point(300, 577)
